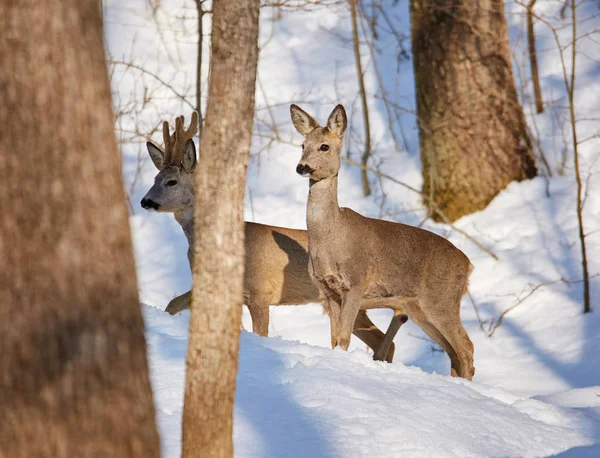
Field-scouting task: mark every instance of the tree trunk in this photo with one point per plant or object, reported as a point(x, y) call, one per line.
point(73, 371)
point(472, 129)
point(219, 232)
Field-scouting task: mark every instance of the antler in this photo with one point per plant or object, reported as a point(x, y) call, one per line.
point(174, 144)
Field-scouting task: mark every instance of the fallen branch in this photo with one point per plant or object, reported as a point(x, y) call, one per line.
point(496, 322)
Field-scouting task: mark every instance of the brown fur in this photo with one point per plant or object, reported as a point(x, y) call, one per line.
point(354, 257)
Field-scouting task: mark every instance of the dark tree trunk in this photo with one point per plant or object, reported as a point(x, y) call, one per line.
point(73, 371)
point(473, 135)
point(219, 232)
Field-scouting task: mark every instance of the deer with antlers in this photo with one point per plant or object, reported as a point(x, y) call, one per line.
point(276, 266)
point(353, 258)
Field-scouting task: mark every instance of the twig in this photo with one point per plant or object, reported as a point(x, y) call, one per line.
point(384, 96)
point(495, 323)
point(476, 312)
point(156, 77)
point(363, 96)
point(268, 107)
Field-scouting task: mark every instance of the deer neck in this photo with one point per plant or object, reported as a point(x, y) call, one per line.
point(322, 210)
point(185, 218)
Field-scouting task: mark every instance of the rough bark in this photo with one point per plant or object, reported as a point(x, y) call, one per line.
point(472, 128)
point(219, 232)
point(73, 371)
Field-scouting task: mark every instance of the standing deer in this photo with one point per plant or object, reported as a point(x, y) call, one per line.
point(276, 270)
point(353, 257)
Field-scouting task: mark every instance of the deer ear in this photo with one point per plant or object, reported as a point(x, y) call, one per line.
point(303, 122)
point(337, 121)
point(156, 154)
point(188, 160)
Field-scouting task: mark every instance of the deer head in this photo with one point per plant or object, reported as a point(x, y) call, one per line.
point(322, 145)
point(173, 188)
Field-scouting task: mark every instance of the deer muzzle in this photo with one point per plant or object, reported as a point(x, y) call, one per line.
point(149, 204)
point(304, 170)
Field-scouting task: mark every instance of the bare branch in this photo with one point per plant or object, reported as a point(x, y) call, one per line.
point(495, 324)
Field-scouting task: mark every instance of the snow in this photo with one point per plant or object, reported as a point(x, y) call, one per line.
point(536, 391)
point(297, 400)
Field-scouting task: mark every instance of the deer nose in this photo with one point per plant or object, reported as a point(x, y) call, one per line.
point(303, 170)
point(149, 204)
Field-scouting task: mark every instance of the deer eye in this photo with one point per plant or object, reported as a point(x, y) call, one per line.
point(171, 182)
point(302, 146)
point(324, 148)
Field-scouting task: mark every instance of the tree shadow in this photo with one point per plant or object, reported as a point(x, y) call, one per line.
point(585, 371)
point(566, 263)
point(590, 451)
point(286, 428)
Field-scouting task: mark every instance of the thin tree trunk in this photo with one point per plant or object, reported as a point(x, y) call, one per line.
point(363, 96)
point(73, 371)
point(472, 128)
point(570, 83)
point(535, 75)
point(219, 232)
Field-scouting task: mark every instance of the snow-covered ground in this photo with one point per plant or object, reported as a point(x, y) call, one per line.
point(536, 391)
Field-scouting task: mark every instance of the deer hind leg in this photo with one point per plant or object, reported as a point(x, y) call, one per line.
point(459, 339)
point(420, 319)
point(372, 336)
point(386, 345)
point(438, 337)
point(450, 326)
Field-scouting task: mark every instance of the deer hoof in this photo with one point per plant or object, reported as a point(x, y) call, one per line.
point(388, 357)
point(344, 343)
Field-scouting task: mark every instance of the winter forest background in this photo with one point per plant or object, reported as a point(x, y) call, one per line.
point(536, 390)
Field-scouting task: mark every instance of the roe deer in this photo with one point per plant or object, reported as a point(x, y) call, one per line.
point(276, 270)
point(353, 257)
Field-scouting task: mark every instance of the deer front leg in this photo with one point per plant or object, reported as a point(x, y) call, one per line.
point(334, 310)
point(180, 303)
point(349, 311)
point(382, 353)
